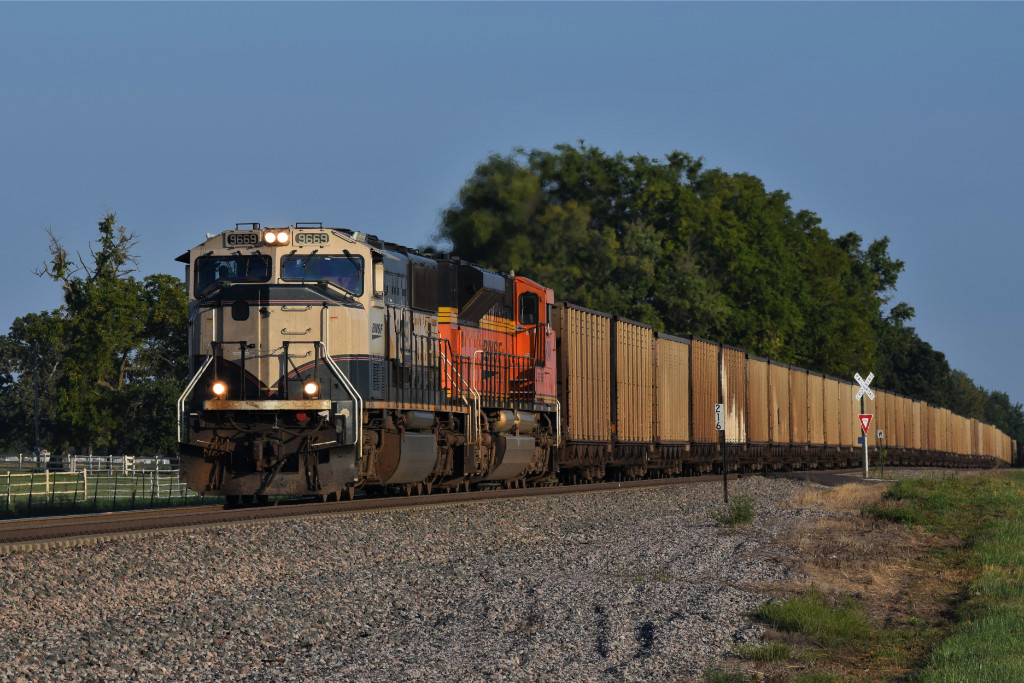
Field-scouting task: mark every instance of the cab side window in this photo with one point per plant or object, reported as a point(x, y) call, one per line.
point(529, 307)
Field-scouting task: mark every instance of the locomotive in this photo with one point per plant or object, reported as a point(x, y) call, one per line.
point(323, 360)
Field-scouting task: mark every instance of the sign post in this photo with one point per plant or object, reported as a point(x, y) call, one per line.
point(865, 391)
point(720, 426)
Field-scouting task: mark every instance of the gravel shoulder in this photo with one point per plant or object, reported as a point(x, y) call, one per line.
point(637, 585)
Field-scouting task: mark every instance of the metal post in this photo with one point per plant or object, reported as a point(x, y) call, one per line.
point(721, 439)
point(35, 382)
point(865, 439)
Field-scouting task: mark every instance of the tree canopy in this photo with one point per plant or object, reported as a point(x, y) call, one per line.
point(698, 251)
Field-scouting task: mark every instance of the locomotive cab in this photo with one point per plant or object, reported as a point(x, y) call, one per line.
point(270, 409)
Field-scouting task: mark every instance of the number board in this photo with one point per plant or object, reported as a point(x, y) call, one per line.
point(248, 238)
point(312, 238)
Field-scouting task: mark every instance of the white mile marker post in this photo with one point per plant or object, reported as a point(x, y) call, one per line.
point(864, 390)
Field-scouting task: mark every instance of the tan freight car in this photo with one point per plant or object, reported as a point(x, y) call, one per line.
point(916, 413)
point(673, 389)
point(757, 401)
point(734, 394)
point(815, 409)
point(633, 363)
point(704, 390)
point(778, 404)
point(830, 406)
point(798, 406)
point(849, 425)
point(584, 339)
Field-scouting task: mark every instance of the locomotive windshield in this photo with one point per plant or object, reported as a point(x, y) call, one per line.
point(210, 270)
point(344, 270)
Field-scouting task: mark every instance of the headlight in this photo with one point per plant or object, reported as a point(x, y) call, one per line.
point(270, 237)
point(282, 237)
point(310, 388)
point(219, 388)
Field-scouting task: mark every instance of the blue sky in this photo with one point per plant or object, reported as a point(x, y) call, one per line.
point(902, 119)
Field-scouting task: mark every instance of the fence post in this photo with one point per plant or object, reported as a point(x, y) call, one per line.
point(31, 485)
point(85, 485)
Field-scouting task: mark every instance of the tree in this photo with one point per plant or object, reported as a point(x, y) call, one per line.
point(686, 249)
point(113, 354)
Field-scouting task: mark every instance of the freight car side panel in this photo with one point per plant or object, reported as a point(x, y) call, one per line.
point(584, 372)
point(881, 411)
point(757, 400)
point(798, 405)
point(673, 378)
point(778, 403)
point(634, 382)
point(815, 409)
point(703, 390)
point(849, 426)
point(831, 411)
point(916, 413)
point(734, 394)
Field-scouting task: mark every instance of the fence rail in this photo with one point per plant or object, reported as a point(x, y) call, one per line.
point(125, 464)
point(31, 486)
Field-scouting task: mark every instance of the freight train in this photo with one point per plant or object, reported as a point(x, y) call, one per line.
point(323, 360)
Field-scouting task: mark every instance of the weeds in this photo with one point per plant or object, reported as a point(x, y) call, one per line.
point(767, 652)
point(812, 616)
point(739, 512)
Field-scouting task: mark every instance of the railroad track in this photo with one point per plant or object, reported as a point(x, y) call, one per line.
point(49, 532)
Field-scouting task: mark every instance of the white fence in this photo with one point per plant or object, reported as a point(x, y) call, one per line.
point(125, 464)
point(86, 484)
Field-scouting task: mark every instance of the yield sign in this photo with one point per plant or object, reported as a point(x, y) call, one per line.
point(865, 421)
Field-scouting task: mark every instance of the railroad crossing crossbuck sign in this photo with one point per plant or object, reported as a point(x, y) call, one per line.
point(864, 390)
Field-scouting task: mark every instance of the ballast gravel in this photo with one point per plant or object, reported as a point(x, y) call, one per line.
point(632, 585)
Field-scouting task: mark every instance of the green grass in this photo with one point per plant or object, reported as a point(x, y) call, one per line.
point(768, 652)
point(987, 514)
point(739, 512)
point(826, 625)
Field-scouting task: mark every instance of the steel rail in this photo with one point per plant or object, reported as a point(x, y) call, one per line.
point(45, 532)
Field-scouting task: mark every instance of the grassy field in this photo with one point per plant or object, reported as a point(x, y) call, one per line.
point(921, 581)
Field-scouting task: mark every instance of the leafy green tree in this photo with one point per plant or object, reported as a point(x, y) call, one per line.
point(686, 249)
point(113, 355)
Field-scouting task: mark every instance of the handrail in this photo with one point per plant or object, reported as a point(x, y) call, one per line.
point(358, 418)
point(472, 435)
point(188, 391)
